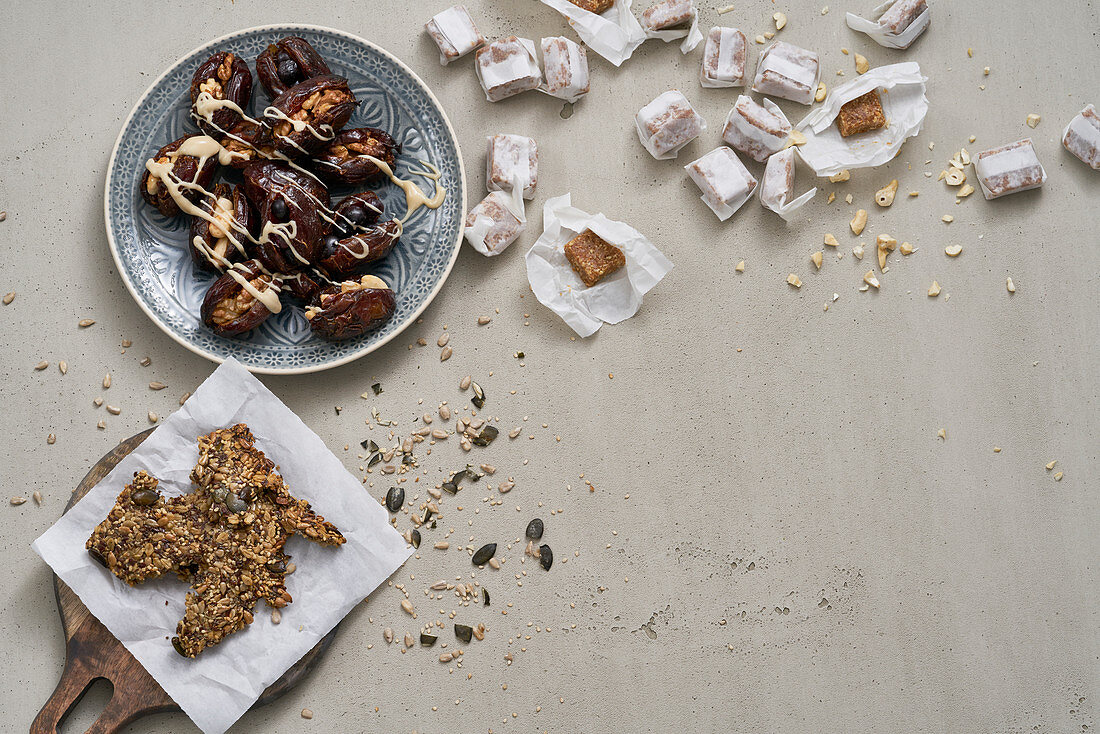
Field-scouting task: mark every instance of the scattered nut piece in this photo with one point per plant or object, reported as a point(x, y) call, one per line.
point(885, 195)
point(947, 219)
point(953, 250)
point(1058, 476)
point(830, 240)
point(8, 298)
point(760, 39)
point(307, 714)
point(862, 65)
point(408, 607)
point(842, 176)
point(740, 266)
point(832, 197)
point(816, 259)
point(859, 221)
point(965, 191)
point(819, 95)
point(885, 245)
point(97, 402)
point(1033, 120)
point(858, 251)
point(942, 433)
point(906, 249)
point(848, 198)
point(934, 290)
point(996, 449)
point(796, 137)
point(955, 177)
point(482, 320)
point(780, 20)
point(870, 279)
point(106, 380)
point(114, 410)
point(1010, 285)
point(101, 425)
point(794, 280)
point(1051, 465)
point(985, 71)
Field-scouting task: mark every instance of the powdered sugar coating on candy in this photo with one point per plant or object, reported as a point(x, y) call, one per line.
point(723, 58)
point(723, 180)
point(565, 66)
point(756, 130)
point(512, 158)
point(788, 72)
point(507, 67)
point(1009, 169)
point(667, 124)
point(1082, 137)
point(453, 30)
point(777, 185)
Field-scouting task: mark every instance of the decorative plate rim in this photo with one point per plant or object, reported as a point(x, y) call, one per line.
point(217, 358)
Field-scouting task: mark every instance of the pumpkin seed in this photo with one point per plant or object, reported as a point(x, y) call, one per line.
point(427, 640)
point(546, 556)
point(449, 487)
point(145, 497)
point(369, 445)
point(534, 529)
point(484, 553)
point(415, 537)
point(464, 633)
point(486, 436)
point(179, 646)
point(484, 596)
point(479, 396)
point(395, 498)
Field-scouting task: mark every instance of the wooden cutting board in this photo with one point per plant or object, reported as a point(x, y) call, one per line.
point(92, 653)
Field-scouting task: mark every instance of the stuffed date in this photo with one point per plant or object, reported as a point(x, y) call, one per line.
point(289, 205)
point(352, 308)
point(304, 285)
point(216, 246)
point(191, 174)
point(224, 76)
point(246, 142)
point(287, 62)
point(307, 116)
point(346, 257)
point(241, 299)
point(344, 159)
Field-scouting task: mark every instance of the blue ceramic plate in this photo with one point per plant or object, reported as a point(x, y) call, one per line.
point(151, 250)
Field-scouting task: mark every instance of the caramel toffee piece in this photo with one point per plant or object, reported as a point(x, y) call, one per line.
point(592, 258)
point(861, 115)
point(594, 6)
point(226, 538)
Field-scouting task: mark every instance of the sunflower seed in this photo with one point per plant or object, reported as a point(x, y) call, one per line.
point(465, 383)
point(442, 340)
point(486, 436)
point(17, 500)
point(183, 398)
point(445, 354)
point(484, 553)
point(37, 497)
point(534, 529)
point(414, 537)
point(113, 409)
point(85, 323)
point(484, 596)
point(153, 417)
point(41, 366)
point(63, 366)
point(157, 386)
point(395, 498)
point(8, 298)
point(106, 380)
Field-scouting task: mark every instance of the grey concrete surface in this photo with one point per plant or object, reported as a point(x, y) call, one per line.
point(799, 551)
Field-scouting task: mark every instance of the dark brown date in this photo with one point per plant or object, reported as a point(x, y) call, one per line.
point(287, 62)
point(343, 159)
point(357, 211)
point(283, 195)
point(185, 168)
point(223, 76)
point(248, 142)
point(228, 205)
point(322, 104)
point(229, 309)
point(346, 257)
point(305, 285)
point(350, 309)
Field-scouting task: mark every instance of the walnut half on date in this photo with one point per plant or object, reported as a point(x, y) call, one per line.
point(351, 308)
point(307, 116)
point(287, 62)
point(186, 168)
point(222, 76)
point(231, 307)
point(344, 158)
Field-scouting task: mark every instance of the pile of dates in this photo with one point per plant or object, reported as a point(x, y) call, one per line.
point(257, 192)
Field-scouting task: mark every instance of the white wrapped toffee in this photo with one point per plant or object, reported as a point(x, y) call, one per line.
point(1009, 169)
point(777, 185)
point(667, 124)
point(507, 67)
point(1082, 137)
point(454, 32)
point(496, 221)
point(725, 182)
point(900, 90)
point(670, 20)
point(560, 288)
point(758, 131)
point(788, 72)
point(565, 66)
point(512, 158)
point(723, 58)
point(899, 23)
point(614, 33)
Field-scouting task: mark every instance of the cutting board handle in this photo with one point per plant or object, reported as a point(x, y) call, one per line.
point(74, 683)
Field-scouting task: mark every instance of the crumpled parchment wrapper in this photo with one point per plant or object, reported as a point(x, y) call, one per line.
point(223, 682)
point(884, 36)
point(904, 105)
point(774, 193)
point(512, 200)
point(615, 298)
point(615, 35)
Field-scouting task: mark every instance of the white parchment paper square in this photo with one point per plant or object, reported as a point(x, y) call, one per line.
point(218, 686)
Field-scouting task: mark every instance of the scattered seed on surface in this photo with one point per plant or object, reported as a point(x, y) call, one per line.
point(534, 529)
point(157, 386)
point(153, 417)
point(465, 382)
point(307, 714)
point(8, 298)
point(1010, 285)
point(85, 323)
point(408, 607)
point(1051, 465)
point(862, 65)
point(442, 545)
point(63, 366)
point(1033, 120)
point(483, 320)
point(780, 21)
point(546, 556)
point(445, 354)
point(1058, 477)
point(819, 95)
point(953, 250)
point(387, 634)
point(395, 498)
point(17, 500)
point(37, 497)
point(794, 280)
point(183, 398)
point(859, 221)
point(41, 365)
point(446, 657)
point(484, 553)
point(114, 409)
point(740, 266)
point(101, 425)
point(51, 439)
point(106, 380)
point(276, 616)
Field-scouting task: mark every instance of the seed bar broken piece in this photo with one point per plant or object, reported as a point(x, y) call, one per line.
point(593, 258)
point(860, 115)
